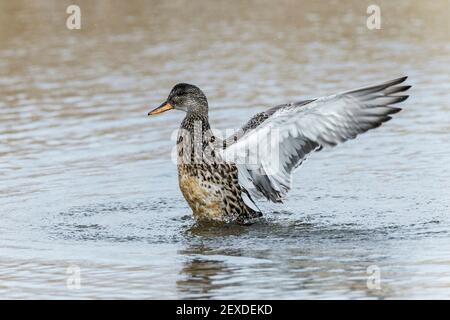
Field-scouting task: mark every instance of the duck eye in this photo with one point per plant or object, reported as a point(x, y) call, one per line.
point(180, 96)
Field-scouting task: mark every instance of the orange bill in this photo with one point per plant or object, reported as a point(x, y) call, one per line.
point(162, 108)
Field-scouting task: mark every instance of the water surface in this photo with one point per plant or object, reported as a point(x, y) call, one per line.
point(87, 179)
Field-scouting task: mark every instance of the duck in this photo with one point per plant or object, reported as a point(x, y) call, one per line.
point(223, 178)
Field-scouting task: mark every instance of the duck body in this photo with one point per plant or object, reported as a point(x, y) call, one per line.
point(209, 184)
point(220, 178)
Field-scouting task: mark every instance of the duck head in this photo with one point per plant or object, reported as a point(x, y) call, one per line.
point(184, 97)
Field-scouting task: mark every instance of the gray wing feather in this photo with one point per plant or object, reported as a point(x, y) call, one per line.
point(279, 143)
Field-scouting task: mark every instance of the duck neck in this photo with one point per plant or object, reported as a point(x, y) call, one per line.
point(192, 139)
point(194, 122)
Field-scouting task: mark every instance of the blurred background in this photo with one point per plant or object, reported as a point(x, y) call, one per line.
point(87, 178)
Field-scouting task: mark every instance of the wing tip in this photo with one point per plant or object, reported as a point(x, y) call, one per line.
point(406, 88)
point(396, 81)
point(399, 99)
point(395, 110)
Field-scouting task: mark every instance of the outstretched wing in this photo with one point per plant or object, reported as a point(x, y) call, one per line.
point(267, 155)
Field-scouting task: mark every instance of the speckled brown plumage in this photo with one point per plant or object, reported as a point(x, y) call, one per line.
point(209, 185)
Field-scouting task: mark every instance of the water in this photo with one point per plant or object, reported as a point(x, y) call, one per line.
point(86, 178)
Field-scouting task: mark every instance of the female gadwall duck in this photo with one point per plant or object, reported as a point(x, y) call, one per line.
point(219, 178)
